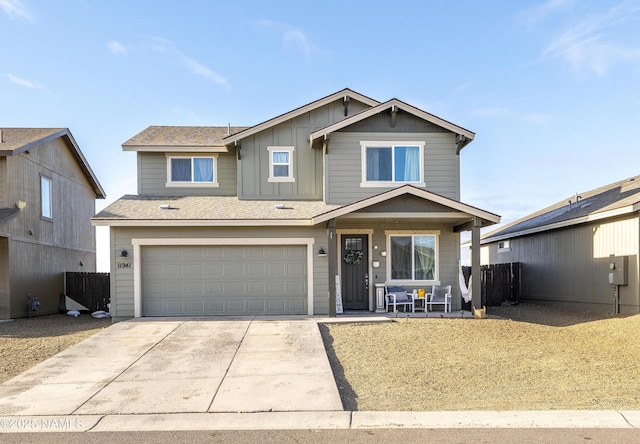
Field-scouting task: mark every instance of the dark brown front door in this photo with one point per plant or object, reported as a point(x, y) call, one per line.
point(355, 266)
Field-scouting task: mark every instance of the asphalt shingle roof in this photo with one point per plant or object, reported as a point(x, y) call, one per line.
point(15, 138)
point(220, 208)
point(183, 136)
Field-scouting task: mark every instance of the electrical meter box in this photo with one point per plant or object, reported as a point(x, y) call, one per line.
point(618, 266)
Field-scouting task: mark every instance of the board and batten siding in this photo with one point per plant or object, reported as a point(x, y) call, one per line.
point(152, 176)
point(253, 168)
point(122, 279)
point(344, 165)
point(569, 267)
point(40, 250)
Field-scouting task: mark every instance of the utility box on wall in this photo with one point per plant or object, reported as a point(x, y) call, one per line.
point(618, 266)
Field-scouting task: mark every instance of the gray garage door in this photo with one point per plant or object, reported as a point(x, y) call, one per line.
point(214, 280)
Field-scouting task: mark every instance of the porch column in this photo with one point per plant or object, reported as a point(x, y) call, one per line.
point(476, 295)
point(332, 251)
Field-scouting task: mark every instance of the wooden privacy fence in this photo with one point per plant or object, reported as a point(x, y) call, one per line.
point(499, 283)
point(89, 289)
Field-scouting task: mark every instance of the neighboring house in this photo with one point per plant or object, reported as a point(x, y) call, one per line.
point(261, 219)
point(47, 198)
point(568, 250)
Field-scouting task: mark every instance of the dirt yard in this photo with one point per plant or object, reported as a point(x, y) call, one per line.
point(531, 358)
point(25, 342)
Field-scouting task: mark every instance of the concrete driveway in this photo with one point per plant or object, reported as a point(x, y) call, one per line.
point(200, 365)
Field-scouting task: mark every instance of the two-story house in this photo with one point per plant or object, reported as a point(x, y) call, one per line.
point(47, 199)
point(268, 219)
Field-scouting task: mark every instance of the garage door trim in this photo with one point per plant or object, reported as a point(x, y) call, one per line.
point(138, 243)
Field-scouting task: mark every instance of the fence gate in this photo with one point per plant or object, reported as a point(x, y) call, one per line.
point(499, 283)
point(89, 289)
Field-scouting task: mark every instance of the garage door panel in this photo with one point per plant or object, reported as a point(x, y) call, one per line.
point(206, 280)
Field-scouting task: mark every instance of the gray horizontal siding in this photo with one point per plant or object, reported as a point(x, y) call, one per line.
point(344, 165)
point(152, 177)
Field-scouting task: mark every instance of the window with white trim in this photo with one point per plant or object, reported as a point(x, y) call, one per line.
point(46, 197)
point(413, 257)
point(281, 163)
point(390, 163)
point(191, 171)
point(504, 246)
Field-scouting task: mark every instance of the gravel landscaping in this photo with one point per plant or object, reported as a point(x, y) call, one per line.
point(522, 357)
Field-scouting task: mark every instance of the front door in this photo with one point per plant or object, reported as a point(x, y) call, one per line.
point(355, 267)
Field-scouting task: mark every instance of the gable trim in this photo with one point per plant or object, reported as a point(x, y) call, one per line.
point(406, 189)
point(235, 138)
point(465, 136)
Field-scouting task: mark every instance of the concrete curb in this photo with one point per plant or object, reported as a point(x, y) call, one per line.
point(604, 419)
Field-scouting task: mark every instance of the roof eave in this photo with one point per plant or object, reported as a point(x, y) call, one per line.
point(466, 135)
point(233, 138)
point(490, 238)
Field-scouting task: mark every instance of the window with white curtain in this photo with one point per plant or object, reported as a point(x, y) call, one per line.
point(281, 163)
point(388, 163)
point(413, 257)
point(191, 171)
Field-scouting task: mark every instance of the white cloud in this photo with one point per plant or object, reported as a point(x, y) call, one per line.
point(117, 48)
point(160, 44)
point(539, 13)
point(23, 82)
point(592, 44)
point(15, 9)
point(537, 118)
point(292, 37)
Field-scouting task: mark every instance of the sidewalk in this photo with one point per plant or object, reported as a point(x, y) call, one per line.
point(321, 421)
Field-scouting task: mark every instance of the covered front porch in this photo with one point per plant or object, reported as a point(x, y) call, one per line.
point(406, 237)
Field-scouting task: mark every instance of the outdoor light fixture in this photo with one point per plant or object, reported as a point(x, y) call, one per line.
point(124, 253)
point(321, 252)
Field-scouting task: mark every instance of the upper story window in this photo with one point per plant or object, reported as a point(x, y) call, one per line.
point(281, 163)
point(46, 197)
point(191, 171)
point(391, 163)
point(504, 246)
point(413, 256)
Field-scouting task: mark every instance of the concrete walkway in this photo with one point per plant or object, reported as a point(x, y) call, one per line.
point(221, 374)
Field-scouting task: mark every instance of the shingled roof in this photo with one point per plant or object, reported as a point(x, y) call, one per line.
point(208, 211)
point(181, 136)
point(610, 200)
point(14, 141)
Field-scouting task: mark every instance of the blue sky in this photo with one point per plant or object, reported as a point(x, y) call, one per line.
point(551, 88)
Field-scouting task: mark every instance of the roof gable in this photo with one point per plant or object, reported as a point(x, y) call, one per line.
point(464, 136)
point(14, 141)
point(345, 94)
point(607, 201)
point(451, 205)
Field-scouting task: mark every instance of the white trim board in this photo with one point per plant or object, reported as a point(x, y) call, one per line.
point(138, 243)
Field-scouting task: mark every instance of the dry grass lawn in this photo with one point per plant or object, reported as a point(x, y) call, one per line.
point(26, 342)
point(530, 358)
